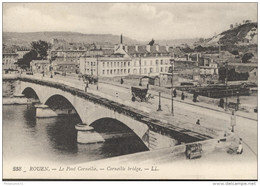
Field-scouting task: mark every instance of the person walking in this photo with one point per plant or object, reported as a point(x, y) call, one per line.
point(174, 93)
point(198, 122)
point(86, 87)
point(182, 96)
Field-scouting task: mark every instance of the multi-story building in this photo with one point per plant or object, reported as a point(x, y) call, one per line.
point(65, 67)
point(9, 61)
point(40, 66)
point(21, 52)
point(126, 60)
point(115, 65)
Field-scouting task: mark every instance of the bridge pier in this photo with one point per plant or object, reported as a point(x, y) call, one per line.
point(43, 111)
point(87, 134)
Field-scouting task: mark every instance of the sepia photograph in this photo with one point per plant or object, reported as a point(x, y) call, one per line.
point(130, 91)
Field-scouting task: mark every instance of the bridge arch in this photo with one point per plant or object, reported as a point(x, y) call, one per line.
point(87, 110)
point(29, 91)
point(139, 129)
point(114, 127)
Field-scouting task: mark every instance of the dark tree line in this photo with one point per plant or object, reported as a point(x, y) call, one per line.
point(39, 51)
point(232, 75)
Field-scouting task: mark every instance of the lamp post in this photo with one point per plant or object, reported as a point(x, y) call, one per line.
point(226, 65)
point(238, 101)
point(172, 63)
point(159, 105)
point(97, 70)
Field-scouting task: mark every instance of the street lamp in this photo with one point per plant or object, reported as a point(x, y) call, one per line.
point(159, 105)
point(97, 70)
point(172, 63)
point(226, 65)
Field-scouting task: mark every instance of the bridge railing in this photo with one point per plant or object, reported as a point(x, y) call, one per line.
point(81, 86)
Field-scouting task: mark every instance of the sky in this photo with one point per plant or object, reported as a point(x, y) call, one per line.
point(140, 21)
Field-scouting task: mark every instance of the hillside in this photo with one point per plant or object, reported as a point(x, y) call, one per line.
point(242, 35)
point(24, 39)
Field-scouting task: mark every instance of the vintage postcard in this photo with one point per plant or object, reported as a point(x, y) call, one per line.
point(130, 91)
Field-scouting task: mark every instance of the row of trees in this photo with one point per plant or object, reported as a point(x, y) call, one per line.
point(39, 51)
point(232, 75)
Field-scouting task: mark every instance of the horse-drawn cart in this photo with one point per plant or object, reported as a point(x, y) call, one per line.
point(140, 94)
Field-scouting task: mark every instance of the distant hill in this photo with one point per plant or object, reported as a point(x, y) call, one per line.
point(25, 38)
point(16, 38)
point(242, 35)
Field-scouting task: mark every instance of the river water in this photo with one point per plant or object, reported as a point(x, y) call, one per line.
point(28, 138)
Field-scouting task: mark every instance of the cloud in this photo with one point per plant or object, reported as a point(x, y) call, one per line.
point(141, 21)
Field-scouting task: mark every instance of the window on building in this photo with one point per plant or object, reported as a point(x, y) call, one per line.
point(121, 71)
point(135, 63)
point(151, 70)
point(111, 71)
point(107, 72)
point(121, 64)
point(166, 69)
point(103, 64)
point(117, 71)
point(128, 71)
point(107, 64)
point(161, 61)
point(144, 62)
point(157, 69)
point(111, 64)
point(124, 71)
point(118, 64)
point(124, 64)
point(161, 69)
point(129, 63)
point(135, 71)
point(103, 72)
point(114, 64)
point(156, 62)
point(151, 62)
point(166, 61)
point(145, 71)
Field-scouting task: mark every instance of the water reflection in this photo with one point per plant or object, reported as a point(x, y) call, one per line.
point(54, 139)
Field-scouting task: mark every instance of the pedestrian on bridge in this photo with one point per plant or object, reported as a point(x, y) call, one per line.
point(182, 96)
point(174, 93)
point(86, 87)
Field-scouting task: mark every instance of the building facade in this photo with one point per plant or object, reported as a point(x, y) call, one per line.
point(9, 61)
point(21, 52)
point(40, 66)
point(106, 66)
point(65, 67)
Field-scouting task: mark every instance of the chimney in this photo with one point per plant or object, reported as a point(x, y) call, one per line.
point(121, 39)
point(148, 48)
point(136, 48)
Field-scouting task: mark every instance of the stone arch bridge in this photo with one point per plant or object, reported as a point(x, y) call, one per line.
point(154, 133)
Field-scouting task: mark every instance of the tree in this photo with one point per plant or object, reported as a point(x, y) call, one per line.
point(27, 58)
point(246, 57)
point(41, 48)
